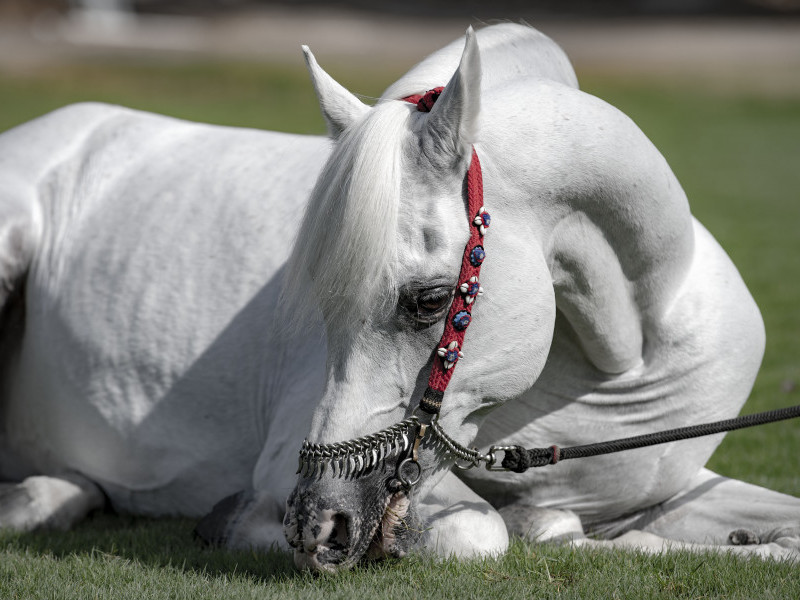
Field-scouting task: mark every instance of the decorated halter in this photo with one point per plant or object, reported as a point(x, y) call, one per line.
point(357, 457)
point(469, 288)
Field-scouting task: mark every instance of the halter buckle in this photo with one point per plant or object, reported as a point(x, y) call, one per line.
point(491, 458)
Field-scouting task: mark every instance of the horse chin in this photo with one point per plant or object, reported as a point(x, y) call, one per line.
point(391, 538)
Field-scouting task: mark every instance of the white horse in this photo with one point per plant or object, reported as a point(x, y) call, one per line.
point(147, 360)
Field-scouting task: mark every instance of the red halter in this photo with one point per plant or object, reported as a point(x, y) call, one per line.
point(458, 319)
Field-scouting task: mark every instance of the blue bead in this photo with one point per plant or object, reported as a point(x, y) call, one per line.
point(461, 320)
point(477, 256)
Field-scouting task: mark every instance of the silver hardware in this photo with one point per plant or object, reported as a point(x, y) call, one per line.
point(405, 481)
point(469, 455)
point(490, 459)
point(355, 457)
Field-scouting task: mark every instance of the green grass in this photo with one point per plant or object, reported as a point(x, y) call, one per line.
point(115, 557)
point(736, 156)
point(227, 93)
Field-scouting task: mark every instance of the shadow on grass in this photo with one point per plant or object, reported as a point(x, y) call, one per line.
point(154, 543)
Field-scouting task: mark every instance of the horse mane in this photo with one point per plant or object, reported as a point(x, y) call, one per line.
point(343, 258)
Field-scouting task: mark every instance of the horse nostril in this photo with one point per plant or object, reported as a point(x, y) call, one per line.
point(340, 534)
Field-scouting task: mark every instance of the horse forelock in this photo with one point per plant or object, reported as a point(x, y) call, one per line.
point(343, 260)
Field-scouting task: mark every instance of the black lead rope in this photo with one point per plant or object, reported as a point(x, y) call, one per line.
point(519, 460)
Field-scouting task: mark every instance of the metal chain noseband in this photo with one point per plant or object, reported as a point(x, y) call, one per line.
point(360, 456)
point(354, 458)
point(517, 458)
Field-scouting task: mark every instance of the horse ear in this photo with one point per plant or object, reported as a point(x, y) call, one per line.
point(339, 107)
point(453, 120)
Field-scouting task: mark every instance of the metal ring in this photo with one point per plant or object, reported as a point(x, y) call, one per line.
point(399, 473)
point(471, 465)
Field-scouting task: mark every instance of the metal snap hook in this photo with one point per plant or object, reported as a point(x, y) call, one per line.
point(491, 458)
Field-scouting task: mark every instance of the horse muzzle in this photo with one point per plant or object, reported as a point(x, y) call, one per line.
point(332, 524)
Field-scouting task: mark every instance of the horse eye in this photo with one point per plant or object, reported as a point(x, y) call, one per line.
point(427, 307)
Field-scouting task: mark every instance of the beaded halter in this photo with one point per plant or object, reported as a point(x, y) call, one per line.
point(357, 457)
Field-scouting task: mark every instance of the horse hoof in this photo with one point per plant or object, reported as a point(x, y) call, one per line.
point(214, 528)
point(743, 537)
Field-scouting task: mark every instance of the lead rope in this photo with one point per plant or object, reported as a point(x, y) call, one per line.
point(519, 460)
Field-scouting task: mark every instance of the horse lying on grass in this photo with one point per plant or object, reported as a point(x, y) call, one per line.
point(148, 263)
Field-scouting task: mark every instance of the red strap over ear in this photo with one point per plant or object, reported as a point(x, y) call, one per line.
point(448, 352)
point(425, 101)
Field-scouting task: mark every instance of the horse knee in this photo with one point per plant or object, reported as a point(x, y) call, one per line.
point(542, 524)
point(466, 530)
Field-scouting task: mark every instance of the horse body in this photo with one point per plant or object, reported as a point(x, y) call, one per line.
point(651, 312)
point(156, 366)
point(667, 390)
point(149, 358)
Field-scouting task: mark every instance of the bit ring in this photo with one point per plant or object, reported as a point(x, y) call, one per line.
point(407, 482)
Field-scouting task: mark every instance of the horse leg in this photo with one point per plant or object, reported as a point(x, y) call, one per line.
point(36, 501)
point(461, 523)
point(458, 522)
point(537, 524)
point(717, 513)
point(541, 525)
point(48, 502)
point(248, 519)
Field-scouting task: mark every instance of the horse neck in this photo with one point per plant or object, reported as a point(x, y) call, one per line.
point(509, 52)
point(600, 202)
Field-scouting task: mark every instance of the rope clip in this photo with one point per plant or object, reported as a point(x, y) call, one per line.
point(491, 458)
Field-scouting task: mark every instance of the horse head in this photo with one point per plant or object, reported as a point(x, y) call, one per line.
point(379, 254)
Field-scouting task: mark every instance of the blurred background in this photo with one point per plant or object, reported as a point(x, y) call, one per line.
point(719, 42)
point(714, 83)
point(725, 45)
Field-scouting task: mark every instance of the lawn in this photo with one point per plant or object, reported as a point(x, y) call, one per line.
point(118, 557)
point(737, 157)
